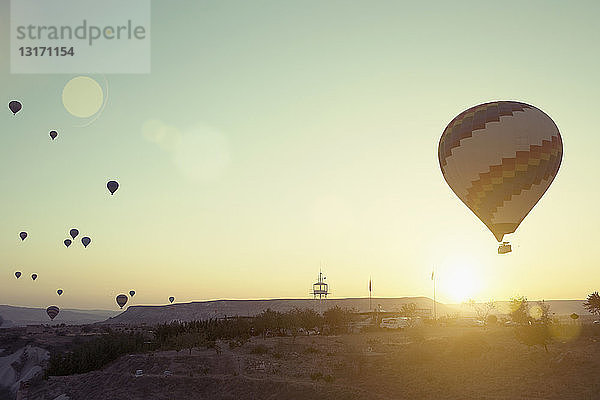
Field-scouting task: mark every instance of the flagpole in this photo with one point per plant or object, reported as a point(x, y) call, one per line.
point(370, 294)
point(434, 305)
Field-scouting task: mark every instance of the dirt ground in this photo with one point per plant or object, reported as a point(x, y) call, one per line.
point(430, 363)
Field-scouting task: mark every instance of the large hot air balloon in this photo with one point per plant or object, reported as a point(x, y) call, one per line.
point(171, 299)
point(34, 276)
point(122, 300)
point(86, 241)
point(132, 293)
point(52, 312)
point(18, 274)
point(14, 106)
point(53, 134)
point(23, 235)
point(73, 232)
point(67, 242)
point(59, 292)
point(112, 186)
point(500, 158)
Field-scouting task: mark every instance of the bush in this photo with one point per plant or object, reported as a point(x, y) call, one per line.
point(310, 350)
point(316, 376)
point(416, 334)
point(492, 320)
point(259, 349)
point(470, 346)
point(534, 335)
point(94, 354)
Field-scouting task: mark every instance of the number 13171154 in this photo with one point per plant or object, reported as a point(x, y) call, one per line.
point(46, 51)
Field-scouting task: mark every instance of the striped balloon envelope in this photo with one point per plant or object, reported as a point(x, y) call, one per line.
point(499, 158)
point(52, 312)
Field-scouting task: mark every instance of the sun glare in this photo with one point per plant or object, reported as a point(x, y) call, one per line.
point(460, 281)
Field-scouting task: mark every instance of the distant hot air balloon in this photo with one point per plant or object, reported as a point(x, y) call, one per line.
point(73, 232)
point(171, 299)
point(53, 134)
point(34, 276)
point(132, 293)
point(112, 186)
point(18, 274)
point(122, 300)
point(67, 242)
point(499, 158)
point(15, 106)
point(52, 312)
point(23, 235)
point(86, 241)
point(59, 292)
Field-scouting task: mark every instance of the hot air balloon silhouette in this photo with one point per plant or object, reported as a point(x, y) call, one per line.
point(23, 235)
point(112, 186)
point(34, 276)
point(499, 158)
point(53, 134)
point(86, 241)
point(59, 292)
point(73, 232)
point(122, 300)
point(14, 106)
point(171, 299)
point(67, 242)
point(18, 274)
point(132, 293)
point(52, 312)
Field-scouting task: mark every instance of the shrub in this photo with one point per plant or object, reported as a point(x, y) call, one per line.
point(316, 376)
point(94, 354)
point(259, 349)
point(416, 334)
point(470, 346)
point(534, 335)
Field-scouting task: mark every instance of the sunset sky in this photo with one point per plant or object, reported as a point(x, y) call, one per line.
point(272, 137)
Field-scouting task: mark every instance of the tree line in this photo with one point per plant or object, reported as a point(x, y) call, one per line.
point(95, 353)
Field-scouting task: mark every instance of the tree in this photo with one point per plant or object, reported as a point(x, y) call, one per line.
point(592, 303)
point(337, 318)
point(408, 310)
point(544, 312)
point(482, 310)
point(519, 309)
point(189, 340)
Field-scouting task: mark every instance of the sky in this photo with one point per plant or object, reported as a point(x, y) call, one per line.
point(272, 138)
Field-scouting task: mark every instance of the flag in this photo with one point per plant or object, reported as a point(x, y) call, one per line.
point(369, 285)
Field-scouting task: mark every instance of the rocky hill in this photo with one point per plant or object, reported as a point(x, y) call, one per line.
point(21, 316)
point(220, 308)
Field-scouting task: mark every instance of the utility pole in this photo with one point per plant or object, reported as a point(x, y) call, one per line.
point(434, 305)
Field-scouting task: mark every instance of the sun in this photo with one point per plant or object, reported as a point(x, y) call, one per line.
point(82, 96)
point(460, 281)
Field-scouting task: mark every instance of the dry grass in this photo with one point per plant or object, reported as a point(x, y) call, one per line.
point(431, 363)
